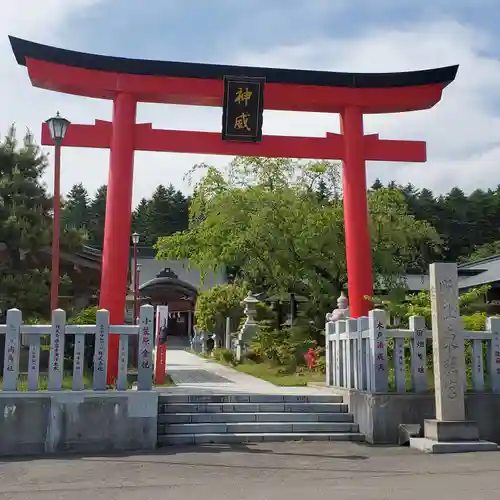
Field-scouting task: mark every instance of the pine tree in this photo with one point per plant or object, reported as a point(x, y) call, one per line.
point(377, 184)
point(26, 228)
point(140, 222)
point(75, 213)
point(167, 213)
point(97, 215)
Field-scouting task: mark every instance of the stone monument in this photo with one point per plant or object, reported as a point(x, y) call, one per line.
point(449, 432)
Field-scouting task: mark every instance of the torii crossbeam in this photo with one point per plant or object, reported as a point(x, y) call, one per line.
point(129, 81)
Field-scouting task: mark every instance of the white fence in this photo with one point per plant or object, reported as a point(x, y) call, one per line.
point(58, 331)
point(364, 354)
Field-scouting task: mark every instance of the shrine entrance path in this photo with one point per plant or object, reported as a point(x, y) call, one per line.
point(195, 375)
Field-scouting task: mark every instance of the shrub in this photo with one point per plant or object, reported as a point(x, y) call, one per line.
point(224, 356)
point(321, 364)
point(251, 356)
point(214, 305)
point(84, 317)
point(284, 347)
point(475, 322)
point(419, 304)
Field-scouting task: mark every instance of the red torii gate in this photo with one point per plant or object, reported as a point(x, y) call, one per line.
point(129, 81)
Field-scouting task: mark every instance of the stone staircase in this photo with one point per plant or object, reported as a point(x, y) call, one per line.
point(245, 418)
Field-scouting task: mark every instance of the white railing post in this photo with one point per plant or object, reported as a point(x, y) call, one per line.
point(399, 364)
point(340, 328)
point(122, 382)
point(377, 320)
point(356, 354)
point(418, 354)
point(145, 365)
point(477, 366)
point(351, 326)
point(493, 325)
point(101, 349)
point(56, 363)
point(363, 353)
point(329, 358)
point(33, 362)
point(12, 350)
point(78, 362)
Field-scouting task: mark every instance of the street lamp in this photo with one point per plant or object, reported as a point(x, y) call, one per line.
point(135, 242)
point(138, 280)
point(58, 127)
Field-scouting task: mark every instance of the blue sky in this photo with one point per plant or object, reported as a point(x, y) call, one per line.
point(344, 35)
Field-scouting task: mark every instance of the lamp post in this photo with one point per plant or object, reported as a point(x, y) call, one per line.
point(137, 281)
point(58, 127)
point(135, 242)
point(135, 342)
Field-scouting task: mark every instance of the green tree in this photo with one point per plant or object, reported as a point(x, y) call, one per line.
point(75, 213)
point(26, 228)
point(140, 220)
point(216, 304)
point(267, 221)
point(399, 240)
point(377, 185)
point(483, 252)
point(165, 213)
point(97, 216)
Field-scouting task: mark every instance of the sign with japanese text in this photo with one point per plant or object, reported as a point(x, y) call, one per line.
point(161, 344)
point(243, 109)
point(146, 343)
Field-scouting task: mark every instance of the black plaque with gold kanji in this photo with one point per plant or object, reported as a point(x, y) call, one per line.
point(243, 109)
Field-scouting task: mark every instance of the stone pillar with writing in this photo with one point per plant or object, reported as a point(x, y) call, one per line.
point(449, 432)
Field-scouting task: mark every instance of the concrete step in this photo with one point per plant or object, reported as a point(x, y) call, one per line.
point(261, 428)
point(201, 418)
point(227, 438)
point(249, 398)
point(252, 407)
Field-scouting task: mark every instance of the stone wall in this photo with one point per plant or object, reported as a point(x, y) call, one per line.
point(79, 422)
point(379, 414)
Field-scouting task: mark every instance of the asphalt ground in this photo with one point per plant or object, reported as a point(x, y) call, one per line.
point(284, 471)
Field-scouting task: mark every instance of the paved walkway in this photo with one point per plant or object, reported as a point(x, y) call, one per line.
point(196, 375)
point(264, 471)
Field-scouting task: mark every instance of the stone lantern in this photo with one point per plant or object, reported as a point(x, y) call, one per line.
point(250, 305)
point(249, 328)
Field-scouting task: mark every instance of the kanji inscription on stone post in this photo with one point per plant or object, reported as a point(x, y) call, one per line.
point(447, 343)
point(101, 349)
point(56, 358)
point(145, 368)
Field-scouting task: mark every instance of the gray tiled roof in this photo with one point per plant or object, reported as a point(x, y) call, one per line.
point(485, 271)
point(472, 274)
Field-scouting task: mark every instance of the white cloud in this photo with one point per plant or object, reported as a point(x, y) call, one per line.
point(462, 131)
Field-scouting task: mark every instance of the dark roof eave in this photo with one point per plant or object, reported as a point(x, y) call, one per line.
point(24, 49)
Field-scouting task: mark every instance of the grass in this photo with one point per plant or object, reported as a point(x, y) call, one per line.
point(43, 382)
point(279, 375)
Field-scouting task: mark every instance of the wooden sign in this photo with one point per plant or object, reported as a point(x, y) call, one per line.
point(243, 109)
